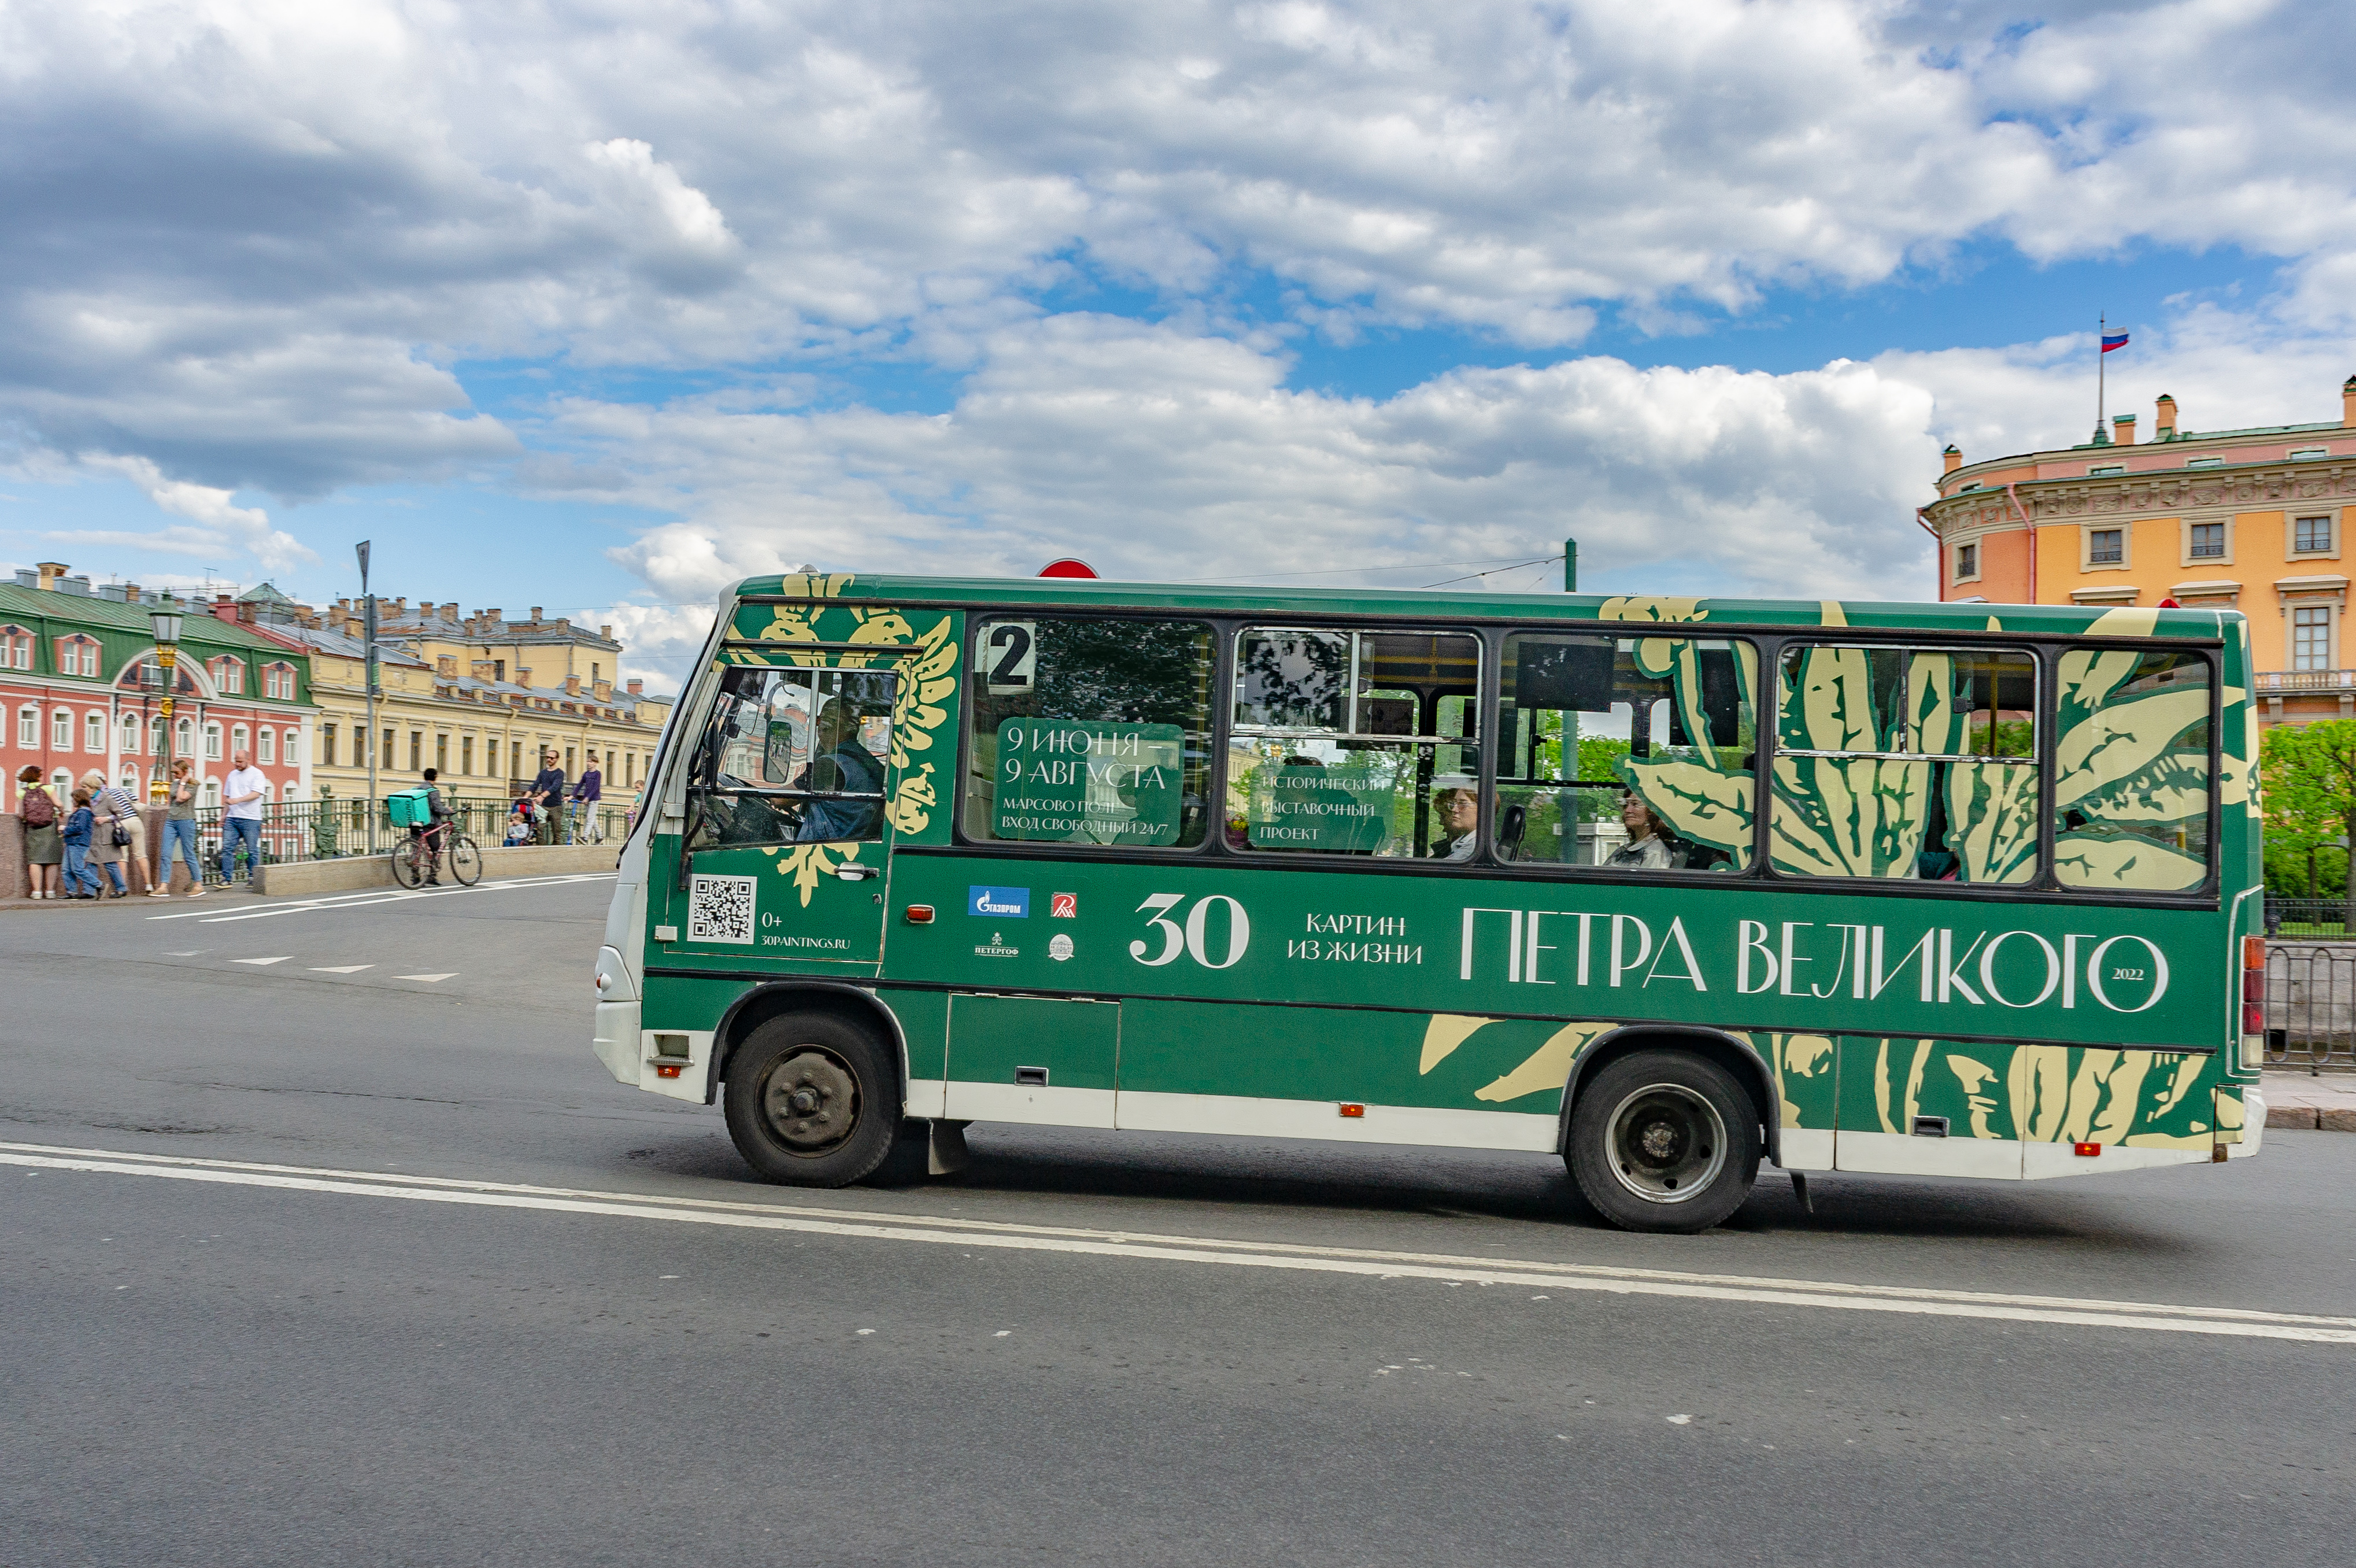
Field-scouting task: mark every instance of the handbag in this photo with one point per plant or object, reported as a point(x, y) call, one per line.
point(121, 834)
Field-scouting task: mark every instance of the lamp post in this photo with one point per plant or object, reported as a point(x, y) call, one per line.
point(166, 622)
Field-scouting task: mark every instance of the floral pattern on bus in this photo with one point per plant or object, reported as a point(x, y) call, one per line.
point(925, 694)
point(2042, 1094)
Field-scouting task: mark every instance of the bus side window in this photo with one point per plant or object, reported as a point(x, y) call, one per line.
point(1363, 743)
point(1909, 763)
point(2131, 770)
point(794, 755)
point(1089, 730)
point(1634, 753)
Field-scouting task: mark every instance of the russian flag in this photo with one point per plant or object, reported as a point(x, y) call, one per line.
point(2114, 340)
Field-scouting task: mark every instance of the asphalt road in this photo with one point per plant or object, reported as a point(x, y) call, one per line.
point(490, 1306)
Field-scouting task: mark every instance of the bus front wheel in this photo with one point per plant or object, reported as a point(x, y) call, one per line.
point(812, 1100)
point(1663, 1140)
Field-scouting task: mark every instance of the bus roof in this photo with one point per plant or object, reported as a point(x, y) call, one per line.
point(1088, 593)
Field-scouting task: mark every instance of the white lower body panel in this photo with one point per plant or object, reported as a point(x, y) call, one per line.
point(1247, 1116)
point(1034, 1103)
point(1899, 1153)
point(1804, 1149)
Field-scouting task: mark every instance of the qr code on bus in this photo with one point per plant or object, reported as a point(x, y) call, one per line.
point(719, 909)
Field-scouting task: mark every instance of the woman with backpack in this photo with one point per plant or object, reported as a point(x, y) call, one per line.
point(45, 846)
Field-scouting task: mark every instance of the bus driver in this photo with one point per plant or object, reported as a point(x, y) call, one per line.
point(842, 763)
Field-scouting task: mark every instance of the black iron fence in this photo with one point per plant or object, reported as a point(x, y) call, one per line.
point(2310, 1012)
point(2307, 917)
point(330, 829)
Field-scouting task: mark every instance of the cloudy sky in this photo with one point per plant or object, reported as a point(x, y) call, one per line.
point(599, 306)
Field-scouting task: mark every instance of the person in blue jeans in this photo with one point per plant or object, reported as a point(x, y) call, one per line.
point(243, 793)
point(180, 827)
point(82, 878)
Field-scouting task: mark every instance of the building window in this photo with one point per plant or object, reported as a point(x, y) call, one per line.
point(2310, 637)
point(269, 748)
point(213, 742)
point(2208, 541)
point(327, 744)
point(1967, 561)
point(228, 674)
point(16, 653)
point(2300, 453)
point(515, 759)
point(61, 731)
point(2106, 546)
point(2311, 535)
point(131, 734)
point(2204, 462)
point(466, 756)
point(155, 737)
point(78, 656)
point(94, 732)
point(441, 753)
point(187, 743)
point(237, 739)
point(28, 729)
point(294, 753)
point(2106, 470)
point(384, 753)
point(212, 786)
point(416, 750)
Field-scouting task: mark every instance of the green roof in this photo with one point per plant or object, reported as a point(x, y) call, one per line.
point(96, 614)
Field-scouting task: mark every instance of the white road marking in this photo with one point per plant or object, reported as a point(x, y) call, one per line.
point(326, 903)
point(429, 979)
point(339, 968)
point(871, 1225)
point(190, 954)
point(281, 957)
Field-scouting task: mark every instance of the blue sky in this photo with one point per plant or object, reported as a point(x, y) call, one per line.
point(600, 313)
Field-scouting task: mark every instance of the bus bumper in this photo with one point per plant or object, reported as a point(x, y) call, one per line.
point(2254, 1124)
point(617, 1040)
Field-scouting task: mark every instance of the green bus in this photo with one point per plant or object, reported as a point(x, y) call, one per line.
point(1663, 886)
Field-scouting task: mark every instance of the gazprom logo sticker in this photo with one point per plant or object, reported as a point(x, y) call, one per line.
point(1000, 903)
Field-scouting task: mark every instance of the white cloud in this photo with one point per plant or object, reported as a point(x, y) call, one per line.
point(222, 527)
point(1159, 456)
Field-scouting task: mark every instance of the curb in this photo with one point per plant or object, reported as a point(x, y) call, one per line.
point(2311, 1118)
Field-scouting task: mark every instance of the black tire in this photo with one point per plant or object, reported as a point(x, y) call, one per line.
point(408, 864)
point(813, 1099)
point(465, 862)
point(1663, 1140)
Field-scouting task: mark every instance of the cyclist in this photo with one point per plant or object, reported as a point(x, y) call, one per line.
point(437, 832)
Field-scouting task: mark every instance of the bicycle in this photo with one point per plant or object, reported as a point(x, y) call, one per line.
point(413, 859)
point(583, 826)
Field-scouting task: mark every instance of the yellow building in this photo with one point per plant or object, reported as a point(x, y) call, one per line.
point(2252, 520)
point(477, 696)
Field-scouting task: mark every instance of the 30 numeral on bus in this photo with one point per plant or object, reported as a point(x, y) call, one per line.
point(1193, 940)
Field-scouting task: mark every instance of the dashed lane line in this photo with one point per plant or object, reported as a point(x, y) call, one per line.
point(342, 968)
point(281, 957)
point(429, 979)
point(329, 903)
point(2247, 1323)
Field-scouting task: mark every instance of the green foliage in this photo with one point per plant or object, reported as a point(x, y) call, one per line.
point(2307, 778)
point(1599, 756)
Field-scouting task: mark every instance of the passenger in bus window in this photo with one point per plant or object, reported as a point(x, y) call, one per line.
point(1649, 846)
point(1458, 809)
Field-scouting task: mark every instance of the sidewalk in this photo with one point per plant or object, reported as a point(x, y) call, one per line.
point(2325, 1100)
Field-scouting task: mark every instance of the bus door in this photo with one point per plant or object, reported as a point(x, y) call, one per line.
point(787, 833)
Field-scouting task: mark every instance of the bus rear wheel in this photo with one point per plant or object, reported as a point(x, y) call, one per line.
point(812, 1100)
point(1663, 1140)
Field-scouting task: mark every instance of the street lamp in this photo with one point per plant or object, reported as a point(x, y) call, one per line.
point(166, 622)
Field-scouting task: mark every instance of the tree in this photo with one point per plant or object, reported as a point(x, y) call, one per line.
point(2307, 776)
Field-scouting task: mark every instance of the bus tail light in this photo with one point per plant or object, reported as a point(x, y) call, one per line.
point(2085, 1150)
point(667, 1069)
point(1351, 1110)
point(920, 914)
point(2253, 986)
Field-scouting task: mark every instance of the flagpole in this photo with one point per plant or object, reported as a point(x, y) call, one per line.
point(2101, 329)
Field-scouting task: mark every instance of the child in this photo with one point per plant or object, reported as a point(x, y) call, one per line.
point(519, 825)
point(79, 872)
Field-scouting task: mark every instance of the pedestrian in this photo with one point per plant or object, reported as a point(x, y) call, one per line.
point(585, 796)
point(45, 846)
point(243, 793)
point(548, 794)
point(79, 823)
point(180, 827)
point(120, 844)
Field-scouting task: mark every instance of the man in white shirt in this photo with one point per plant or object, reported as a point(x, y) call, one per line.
point(242, 794)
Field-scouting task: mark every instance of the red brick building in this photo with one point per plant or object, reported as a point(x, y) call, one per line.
point(80, 689)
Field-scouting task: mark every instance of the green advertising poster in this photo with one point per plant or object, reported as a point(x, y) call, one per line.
point(1309, 806)
point(1089, 783)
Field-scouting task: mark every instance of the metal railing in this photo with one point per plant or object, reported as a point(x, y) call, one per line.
point(330, 829)
point(2310, 1012)
point(2305, 680)
point(2307, 917)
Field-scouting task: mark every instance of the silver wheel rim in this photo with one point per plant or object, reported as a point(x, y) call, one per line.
point(811, 1101)
point(1665, 1143)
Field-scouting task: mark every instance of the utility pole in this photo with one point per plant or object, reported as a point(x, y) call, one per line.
point(368, 634)
point(1570, 566)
